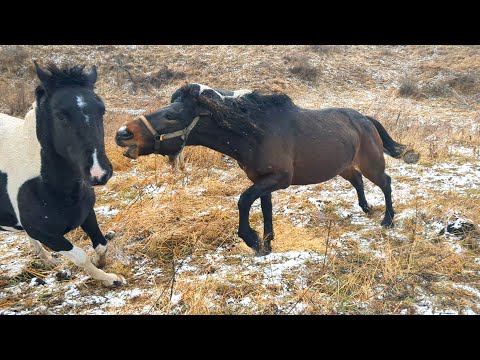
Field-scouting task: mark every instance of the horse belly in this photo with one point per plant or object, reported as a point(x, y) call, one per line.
point(319, 162)
point(19, 163)
point(8, 220)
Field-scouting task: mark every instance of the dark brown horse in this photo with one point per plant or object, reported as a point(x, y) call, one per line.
point(275, 142)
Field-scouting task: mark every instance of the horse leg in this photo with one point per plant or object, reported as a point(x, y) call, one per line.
point(383, 181)
point(355, 178)
point(262, 187)
point(268, 235)
point(43, 254)
point(90, 226)
point(387, 191)
point(80, 258)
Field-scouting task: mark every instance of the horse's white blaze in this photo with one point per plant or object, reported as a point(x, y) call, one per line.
point(20, 163)
point(96, 171)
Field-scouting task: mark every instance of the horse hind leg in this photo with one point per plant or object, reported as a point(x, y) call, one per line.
point(354, 176)
point(43, 254)
point(383, 181)
point(268, 235)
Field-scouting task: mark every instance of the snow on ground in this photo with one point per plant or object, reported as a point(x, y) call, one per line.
point(286, 272)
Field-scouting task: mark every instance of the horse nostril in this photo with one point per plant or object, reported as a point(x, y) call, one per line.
point(124, 134)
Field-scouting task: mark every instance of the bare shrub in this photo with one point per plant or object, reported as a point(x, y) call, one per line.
point(16, 98)
point(466, 83)
point(302, 68)
point(408, 87)
point(159, 78)
point(325, 49)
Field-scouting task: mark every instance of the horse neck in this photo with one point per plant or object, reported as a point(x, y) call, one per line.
point(59, 175)
point(208, 133)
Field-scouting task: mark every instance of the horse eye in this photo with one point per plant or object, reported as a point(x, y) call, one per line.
point(170, 117)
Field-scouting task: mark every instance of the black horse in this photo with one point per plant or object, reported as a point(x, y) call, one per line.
point(49, 163)
point(275, 142)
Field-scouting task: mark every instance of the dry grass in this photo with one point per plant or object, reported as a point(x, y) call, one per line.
point(187, 218)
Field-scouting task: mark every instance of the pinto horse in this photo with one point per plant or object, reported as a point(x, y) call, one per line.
point(49, 163)
point(275, 142)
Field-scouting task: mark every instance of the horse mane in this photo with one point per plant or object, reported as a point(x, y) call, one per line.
point(68, 76)
point(245, 115)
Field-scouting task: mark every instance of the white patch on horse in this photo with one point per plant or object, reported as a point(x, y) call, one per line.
point(76, 255)
point(8, 228)
point(240, 93)
point(81, 104)
point(96, 171)
point(123, 128)
point(204, 87)
point(101, 249)
point(20, 163)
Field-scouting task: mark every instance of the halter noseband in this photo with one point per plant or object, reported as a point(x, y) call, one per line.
point(158, 138)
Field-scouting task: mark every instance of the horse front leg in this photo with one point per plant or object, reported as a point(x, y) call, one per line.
point(90, 226)
point(263, 187)
point(80, 258)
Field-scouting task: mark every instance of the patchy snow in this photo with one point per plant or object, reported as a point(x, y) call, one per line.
point(106, 211)
point(154, 189)
point(134, 112)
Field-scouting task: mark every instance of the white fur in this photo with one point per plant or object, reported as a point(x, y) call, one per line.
point(19, 153)
point(236, 93)
point(80, 102)
point(101, 249)
point(80, 258)
point(96, 171)
point(76, 255)
point(8, 228)
point(205, 87)
point(240, 93)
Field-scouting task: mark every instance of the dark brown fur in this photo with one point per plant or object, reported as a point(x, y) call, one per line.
point(279, 144)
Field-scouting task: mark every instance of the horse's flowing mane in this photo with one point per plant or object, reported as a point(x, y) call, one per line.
point(244, 115)
point(68, 75)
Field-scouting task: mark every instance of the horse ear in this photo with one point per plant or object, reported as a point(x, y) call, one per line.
point(195, 91)
point(43, 75)
point(92, 74)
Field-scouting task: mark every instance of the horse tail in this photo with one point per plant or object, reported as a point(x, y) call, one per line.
point(392, 148)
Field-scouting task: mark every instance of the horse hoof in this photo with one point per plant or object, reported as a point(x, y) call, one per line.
point(115, 281)
point(367, 209)
point(267, 248)
point(388, 223)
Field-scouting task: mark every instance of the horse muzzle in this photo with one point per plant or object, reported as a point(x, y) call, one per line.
point(125, 138)
point(100, 180)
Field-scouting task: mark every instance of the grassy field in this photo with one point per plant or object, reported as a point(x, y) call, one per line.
point(176, 241)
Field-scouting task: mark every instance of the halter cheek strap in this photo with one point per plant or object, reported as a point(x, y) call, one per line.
point(158, 138)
